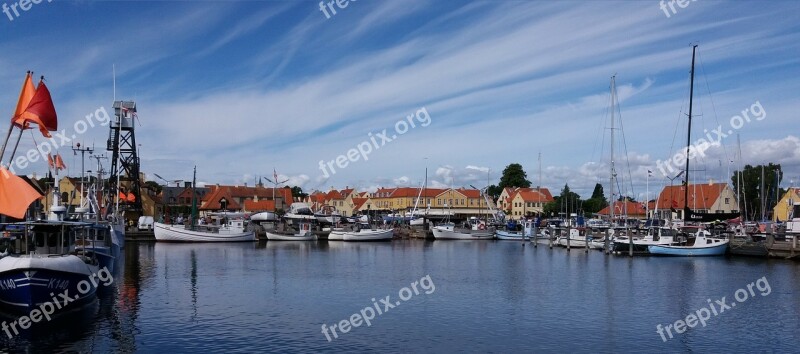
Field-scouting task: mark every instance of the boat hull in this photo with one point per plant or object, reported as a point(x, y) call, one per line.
point(28, 282)
point(441, 233)
point(718, 249)
point(168, 233)
point(290, 237)
point(336, 235)
point(510, 235)
point(368, 235)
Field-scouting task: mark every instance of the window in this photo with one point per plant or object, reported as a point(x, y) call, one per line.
point(471, 202)
point(727, 200)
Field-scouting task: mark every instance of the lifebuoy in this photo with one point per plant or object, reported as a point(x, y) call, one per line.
point(481, 226)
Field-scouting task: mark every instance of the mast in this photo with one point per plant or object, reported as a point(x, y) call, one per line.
point(613, 171)
point(689, 138)
point(194, 198)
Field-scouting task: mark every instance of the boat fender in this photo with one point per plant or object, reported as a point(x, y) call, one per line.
point(481, 226)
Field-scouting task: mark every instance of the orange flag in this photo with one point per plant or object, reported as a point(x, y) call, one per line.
point(15, 195)
point(25, 96)
point(41, 111)
point(130, 198)
point(121, 196)
point(50, 161)
point(60, 163)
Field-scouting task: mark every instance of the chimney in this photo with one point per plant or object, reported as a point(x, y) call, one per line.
point(187, 184)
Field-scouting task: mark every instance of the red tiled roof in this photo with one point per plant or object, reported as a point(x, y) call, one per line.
point(627, 207)
point(261, 205)
point(358, 202)
point(214, 198)
point(701, 196)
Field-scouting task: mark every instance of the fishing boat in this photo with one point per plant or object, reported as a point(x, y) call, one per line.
point(701, 244)
point(473, 229)
point(231, 231)
point(527, 231)
point(41, 259)
point(227, 227)
point(285, 233)
point(365, 232)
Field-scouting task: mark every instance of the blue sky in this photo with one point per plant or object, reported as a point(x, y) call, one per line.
point(240, 88)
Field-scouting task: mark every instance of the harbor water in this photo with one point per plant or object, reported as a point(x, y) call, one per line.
point(443, 296)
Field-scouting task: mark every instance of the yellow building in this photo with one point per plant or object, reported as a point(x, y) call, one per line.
point(782, 210)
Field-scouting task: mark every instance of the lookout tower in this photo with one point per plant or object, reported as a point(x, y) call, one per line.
point(124, 177)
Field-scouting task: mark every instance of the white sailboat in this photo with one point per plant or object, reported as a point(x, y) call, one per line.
point(366, 233)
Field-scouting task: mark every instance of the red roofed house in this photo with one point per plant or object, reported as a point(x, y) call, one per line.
point(524, 202)
point(706, 198)
point(233, 198)
point(633, 210)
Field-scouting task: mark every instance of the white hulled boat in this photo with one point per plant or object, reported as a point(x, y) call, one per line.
point(302, 233)
point(367, 233)
point(473, 230)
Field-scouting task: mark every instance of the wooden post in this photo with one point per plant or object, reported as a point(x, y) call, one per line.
point(534, 235)
point(607, 242)
point(587, 241)
point(569, 229)
point(630, 243)
point(550, 238)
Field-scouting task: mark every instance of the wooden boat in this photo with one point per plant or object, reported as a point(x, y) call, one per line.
point(576, 238)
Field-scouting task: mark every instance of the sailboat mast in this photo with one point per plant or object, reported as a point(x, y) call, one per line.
point(194, 198)
point(613, 172)
point(689, 138)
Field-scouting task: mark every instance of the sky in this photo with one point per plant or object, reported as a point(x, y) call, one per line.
point(244, 89)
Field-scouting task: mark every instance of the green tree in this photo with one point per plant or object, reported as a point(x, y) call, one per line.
point(494, 191)
point(598, 191)
point(750, 193)
point(514, 176)
point(567, 202)
point(297, 192)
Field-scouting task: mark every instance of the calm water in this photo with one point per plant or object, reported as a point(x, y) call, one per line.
point(484, 296)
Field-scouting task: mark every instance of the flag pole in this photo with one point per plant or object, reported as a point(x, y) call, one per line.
point(8, 136)
point(14, 152)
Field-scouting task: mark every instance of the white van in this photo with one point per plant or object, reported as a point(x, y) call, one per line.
point(145, 223)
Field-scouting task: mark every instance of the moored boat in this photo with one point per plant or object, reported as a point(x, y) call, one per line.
point(474, 230)
point(302, 233)
point(366, 233)
point(232, 231)
point(699, 245)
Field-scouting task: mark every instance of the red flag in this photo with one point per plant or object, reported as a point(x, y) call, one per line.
point(60, 163)
point(121, 196)
point(15, 195)
point(40, 111)
point(25, 96)
point(50, 161)
point(130, 198)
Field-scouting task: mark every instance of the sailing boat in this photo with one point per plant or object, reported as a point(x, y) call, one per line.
point(699, 243)
point(228, 227)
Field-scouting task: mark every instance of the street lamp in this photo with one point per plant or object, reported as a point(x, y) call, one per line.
point(276, 182)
